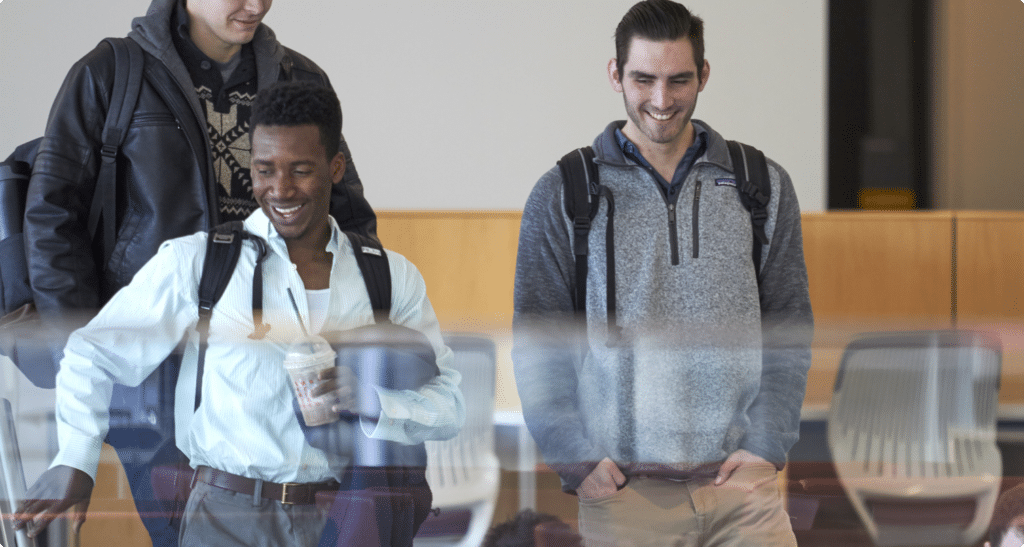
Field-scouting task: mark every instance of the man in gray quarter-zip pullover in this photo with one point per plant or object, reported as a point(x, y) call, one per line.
point(672, 432)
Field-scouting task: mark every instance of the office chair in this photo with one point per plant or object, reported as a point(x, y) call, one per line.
point(911, 430)
point(463, 472)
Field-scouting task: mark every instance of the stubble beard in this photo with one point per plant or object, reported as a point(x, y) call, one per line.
point(656, 134)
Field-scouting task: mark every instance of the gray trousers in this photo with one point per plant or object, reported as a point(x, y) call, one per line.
point(222, 518)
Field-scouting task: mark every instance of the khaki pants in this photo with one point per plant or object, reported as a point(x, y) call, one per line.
point(745, 511)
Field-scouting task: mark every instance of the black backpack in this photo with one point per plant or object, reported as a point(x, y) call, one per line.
point(20, 320)
point(583, 192)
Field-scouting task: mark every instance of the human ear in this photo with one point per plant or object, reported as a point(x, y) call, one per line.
point(337, 167)
point(613, 76)
point(704, 73)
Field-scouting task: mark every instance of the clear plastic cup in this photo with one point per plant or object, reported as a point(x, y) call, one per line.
point(304, 361)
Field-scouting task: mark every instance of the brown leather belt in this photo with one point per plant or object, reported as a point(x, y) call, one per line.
point(290, 493)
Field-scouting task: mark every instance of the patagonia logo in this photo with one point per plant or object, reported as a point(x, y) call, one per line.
point(371, 251)
point(725, 182)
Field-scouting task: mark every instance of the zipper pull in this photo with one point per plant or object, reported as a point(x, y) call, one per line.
point(672, 213)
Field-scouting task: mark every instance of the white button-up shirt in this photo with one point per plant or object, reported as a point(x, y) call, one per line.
point(245, 424)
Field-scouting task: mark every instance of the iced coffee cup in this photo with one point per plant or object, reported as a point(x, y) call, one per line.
point(304, 361)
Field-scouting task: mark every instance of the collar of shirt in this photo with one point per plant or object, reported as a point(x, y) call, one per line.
point(696, 150)
point(259, 224)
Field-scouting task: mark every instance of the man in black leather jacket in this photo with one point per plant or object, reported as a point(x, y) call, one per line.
point(184, 167)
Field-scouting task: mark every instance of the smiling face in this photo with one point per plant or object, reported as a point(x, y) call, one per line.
point(221, 27)
point(291, 181)
point(659, 84)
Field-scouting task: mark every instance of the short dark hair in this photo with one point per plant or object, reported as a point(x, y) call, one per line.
point(520, 531)
point(300, 103)
point(658, 21)
point(1009, 506)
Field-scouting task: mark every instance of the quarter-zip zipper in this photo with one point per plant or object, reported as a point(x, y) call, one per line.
point(670, 205)
point(696, 220)
point(672, 234)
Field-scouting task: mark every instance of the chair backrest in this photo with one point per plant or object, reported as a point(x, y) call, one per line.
point(463, 472)
point(12, 479)
point(458, 469)
point(911, 430)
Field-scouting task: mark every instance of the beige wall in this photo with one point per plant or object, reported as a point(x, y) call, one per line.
point(979, 107)
point(463, 104)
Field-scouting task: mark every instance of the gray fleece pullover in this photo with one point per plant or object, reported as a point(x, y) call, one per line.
point(707, 363)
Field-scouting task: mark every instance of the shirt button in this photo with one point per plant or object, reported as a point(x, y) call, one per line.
point(205, 65)
point(295, 268)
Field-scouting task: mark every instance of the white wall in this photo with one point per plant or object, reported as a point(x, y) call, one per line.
point(463, 104)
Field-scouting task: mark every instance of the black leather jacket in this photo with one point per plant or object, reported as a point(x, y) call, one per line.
point(165, 186)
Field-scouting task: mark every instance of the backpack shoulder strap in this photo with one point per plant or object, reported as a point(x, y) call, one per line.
point(128, 68)
point(373, 263)
point(223, 248)
point(581, 190)
point(755, 189)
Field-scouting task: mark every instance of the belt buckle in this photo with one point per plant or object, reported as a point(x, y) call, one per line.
point(284, 493)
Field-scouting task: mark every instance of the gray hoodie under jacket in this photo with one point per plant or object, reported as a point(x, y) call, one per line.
point(708, 363)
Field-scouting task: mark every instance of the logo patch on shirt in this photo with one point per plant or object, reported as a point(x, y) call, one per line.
point(725, 182)
point(371, 251)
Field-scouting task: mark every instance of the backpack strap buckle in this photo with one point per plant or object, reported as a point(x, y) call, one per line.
point(581, 231)
point(109, 152)
point(223, 237)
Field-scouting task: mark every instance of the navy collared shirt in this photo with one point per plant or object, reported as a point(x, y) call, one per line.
point(696, 150)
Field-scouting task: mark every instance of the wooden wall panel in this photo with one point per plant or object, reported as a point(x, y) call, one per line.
point(467, 260)
point(990, 287)
point(868, 271)
point(873, 271)
point(879, 266)
point(990, 266)
point(863, 266)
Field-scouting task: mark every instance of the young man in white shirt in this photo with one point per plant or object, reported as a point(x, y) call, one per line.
point(244, 439)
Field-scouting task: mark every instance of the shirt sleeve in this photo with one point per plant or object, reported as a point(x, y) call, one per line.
point(129, 338)
point(547, 339)
point(436, 411)
point(787, 330)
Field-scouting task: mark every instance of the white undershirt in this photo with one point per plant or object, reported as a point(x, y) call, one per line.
point(317, 301)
